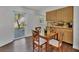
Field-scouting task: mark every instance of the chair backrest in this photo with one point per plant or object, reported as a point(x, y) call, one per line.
point(35, 35)
point(52, 29)
point(62, 34)
point(61, 38)
point(38, 29)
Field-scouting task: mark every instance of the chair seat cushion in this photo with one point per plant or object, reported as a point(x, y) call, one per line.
point(41, 41)
point(54, 42)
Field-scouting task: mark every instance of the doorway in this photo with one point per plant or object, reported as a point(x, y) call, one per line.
point(19, 25)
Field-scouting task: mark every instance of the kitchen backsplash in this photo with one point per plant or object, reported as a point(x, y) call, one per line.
point(60, 23)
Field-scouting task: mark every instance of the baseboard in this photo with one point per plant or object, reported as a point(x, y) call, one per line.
point(18, 38)
point(75, 48)
point(5, 43)
point(9, 41)
point(21, 37)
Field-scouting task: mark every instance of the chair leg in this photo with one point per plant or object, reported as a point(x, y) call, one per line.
point(46, 47)
point(60, 49)
point(38, 49)
point(41, 48)
point(33, 47)
point(50, 48)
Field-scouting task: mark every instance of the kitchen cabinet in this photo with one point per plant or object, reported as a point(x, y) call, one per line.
point(59, 15)
point(64, 14)
point(67, 14)
point(51, 16)
point(48, 16)
point(66, 34)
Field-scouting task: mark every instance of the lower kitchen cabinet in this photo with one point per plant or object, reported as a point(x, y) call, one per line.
point(66, 33)
point(68, 36)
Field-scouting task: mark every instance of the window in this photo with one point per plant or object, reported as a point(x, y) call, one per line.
point(19, 25)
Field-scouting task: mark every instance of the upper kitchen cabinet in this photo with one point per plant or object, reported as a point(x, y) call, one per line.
point(59, 15)
point(64, 14)
point(51, 16)
point(67, 14)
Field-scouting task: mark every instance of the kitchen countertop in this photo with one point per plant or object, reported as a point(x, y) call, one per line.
point(63, 27)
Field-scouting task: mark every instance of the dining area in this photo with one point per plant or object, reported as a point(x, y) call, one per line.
point(46, 41)
point(54, 30)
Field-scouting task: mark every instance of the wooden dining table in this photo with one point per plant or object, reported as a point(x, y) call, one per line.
point(48, 37)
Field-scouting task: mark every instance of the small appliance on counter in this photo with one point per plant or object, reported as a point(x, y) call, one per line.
point(70, 24)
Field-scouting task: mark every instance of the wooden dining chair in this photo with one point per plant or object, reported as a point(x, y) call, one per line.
point(54, 42)
point(39, 43)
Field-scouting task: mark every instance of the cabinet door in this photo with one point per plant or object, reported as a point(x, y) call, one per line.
point(67, 14)
point(64, 16)
point(59, 15)
point(48, 16)
point(65, 34)
point(51, 16)
point(54, 16)
point(68, 36)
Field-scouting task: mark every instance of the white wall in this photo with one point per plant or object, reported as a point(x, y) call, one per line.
point(76, 28)
point(32, 20)
point(7, 23)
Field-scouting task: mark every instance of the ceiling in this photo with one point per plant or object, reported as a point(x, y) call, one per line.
point(43, 8)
